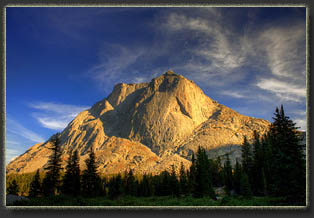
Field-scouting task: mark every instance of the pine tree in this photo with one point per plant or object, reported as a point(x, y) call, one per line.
point(174, 183)
point(130, 184)
point(183, 180)
point(192, 175)
point(214, 169)
point(220, 176)
point(91, 182)
point(13, 188)
point(145, 188)
point(257, 167)
point(247, 160)
point(115, 187)
point(237, 178)
point(35, 187)
point(72, 178)
point(288, 159)
point(52, 181)
point(245, 187)
point(165, 188)
point(241, 182)
point(267, 163)
point(228, 181)
point(203, 183)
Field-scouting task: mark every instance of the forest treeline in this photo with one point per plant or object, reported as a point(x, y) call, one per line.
point(273, 164)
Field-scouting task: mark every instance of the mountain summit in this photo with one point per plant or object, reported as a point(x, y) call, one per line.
point(148, 127)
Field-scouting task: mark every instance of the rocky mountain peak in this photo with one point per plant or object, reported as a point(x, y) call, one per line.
point(148, 127)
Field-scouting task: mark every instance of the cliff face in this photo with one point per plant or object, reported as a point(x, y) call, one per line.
point(148, 127)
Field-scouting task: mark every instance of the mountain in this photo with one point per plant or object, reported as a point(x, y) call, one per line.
point(148, 127)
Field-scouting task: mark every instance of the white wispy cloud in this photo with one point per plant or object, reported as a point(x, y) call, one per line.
point(11, 154)
point(55, 116)
point(234, 94)
point(17, 138)
point(114, 60)
point(215, 54)
point(14, 127)
point(285, 49)
point(284, 90)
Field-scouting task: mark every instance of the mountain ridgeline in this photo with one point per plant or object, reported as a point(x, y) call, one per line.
point(148, 127)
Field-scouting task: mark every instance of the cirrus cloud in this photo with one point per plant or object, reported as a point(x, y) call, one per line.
point(55, 116)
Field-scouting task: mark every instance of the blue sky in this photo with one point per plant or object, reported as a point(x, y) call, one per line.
point(61, 61)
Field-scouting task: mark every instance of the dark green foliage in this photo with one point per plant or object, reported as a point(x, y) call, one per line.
point(115, 187)
point(267, 163)
point(257, 170)
point(13, 188)
point(91, 182)
point(130, 184)
point(203, 181)
point(228, 180)
point(163, 187)
point(237, 178)
point(35, 189)
point(174, 183)
point(247, 159)
point(245, 188)
point(192, 175)
point(72, 178)
point(23, 181)
point(288, 159)
point(183, 180)
point(52, 180)
point(145, 186)
point(63, 200)
point(216, 172)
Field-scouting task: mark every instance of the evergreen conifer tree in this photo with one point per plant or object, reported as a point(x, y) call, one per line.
point(203, 183)
point(214, 169)
point(145, 188)
point(183, 180)
point(220, 178)
point(267, 163)
point(174, 183)
point(91, 182)
point(165, 188)
point(51, 181)
point(245, 187)
point(288, 159)
point(13, 188)
point(247, 160)
point(115, 187)
point(35, 186)
point(72, 178)
point(228, 181)
point(237, 178)
point(192, 175)
point(130, 186)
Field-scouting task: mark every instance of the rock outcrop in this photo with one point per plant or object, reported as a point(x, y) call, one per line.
point(147, 127)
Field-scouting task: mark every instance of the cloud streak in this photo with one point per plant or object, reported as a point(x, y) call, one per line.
point(17, 136)
point(11, 154)
point(15, 128)
point(54, 115)
point(284, 90)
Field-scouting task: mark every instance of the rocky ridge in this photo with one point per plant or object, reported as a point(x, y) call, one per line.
point(147, 127)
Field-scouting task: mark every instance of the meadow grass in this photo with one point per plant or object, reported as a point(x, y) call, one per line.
point(62, 200)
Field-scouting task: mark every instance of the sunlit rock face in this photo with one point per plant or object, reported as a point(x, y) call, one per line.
point(148, 127)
